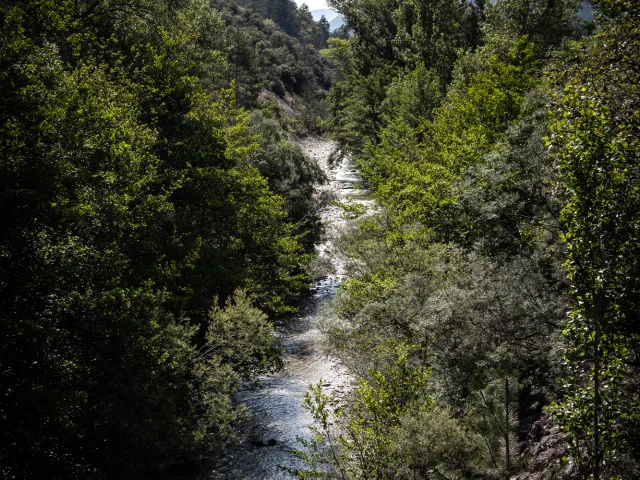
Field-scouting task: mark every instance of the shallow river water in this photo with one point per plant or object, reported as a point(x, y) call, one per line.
point(278, 417)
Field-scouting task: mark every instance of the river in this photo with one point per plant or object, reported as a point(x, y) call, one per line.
point(277, 415)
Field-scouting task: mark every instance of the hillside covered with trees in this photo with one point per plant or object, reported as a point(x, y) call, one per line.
point(490, 314)
point(154, 213)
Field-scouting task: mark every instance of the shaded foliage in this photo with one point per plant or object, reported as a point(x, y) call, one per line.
point(130, 201)
point(594, 137)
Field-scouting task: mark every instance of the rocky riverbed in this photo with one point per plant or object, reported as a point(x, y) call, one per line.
point(277, 416)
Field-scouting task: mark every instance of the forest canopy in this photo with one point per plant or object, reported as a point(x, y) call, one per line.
point(158, 215)
point(147, 229)
point(489, 313)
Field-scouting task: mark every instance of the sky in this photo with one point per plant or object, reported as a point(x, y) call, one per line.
point(313, 4)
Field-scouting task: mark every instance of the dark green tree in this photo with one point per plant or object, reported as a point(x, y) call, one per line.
point(129, 201)
point(325, 31)
point(595, 141)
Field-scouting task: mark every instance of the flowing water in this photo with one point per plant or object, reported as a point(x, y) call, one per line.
point(278, 417)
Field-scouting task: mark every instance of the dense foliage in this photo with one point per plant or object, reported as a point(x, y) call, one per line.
point(500, 141)
point(145, 230)
point(155, 212)
point(273, 53)
point(595, 139)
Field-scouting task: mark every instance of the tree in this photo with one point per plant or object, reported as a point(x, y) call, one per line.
point(325, 31)
point(545, 23)
point(594, 139)
point(88, 351)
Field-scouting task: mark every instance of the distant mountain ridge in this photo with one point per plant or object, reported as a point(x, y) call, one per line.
point(328, 13)
point(336, 23)
point(336, 20)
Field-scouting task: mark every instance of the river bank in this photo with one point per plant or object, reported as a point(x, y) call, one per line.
point(266, 443)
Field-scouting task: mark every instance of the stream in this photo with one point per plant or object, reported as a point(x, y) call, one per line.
point(277, 415)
